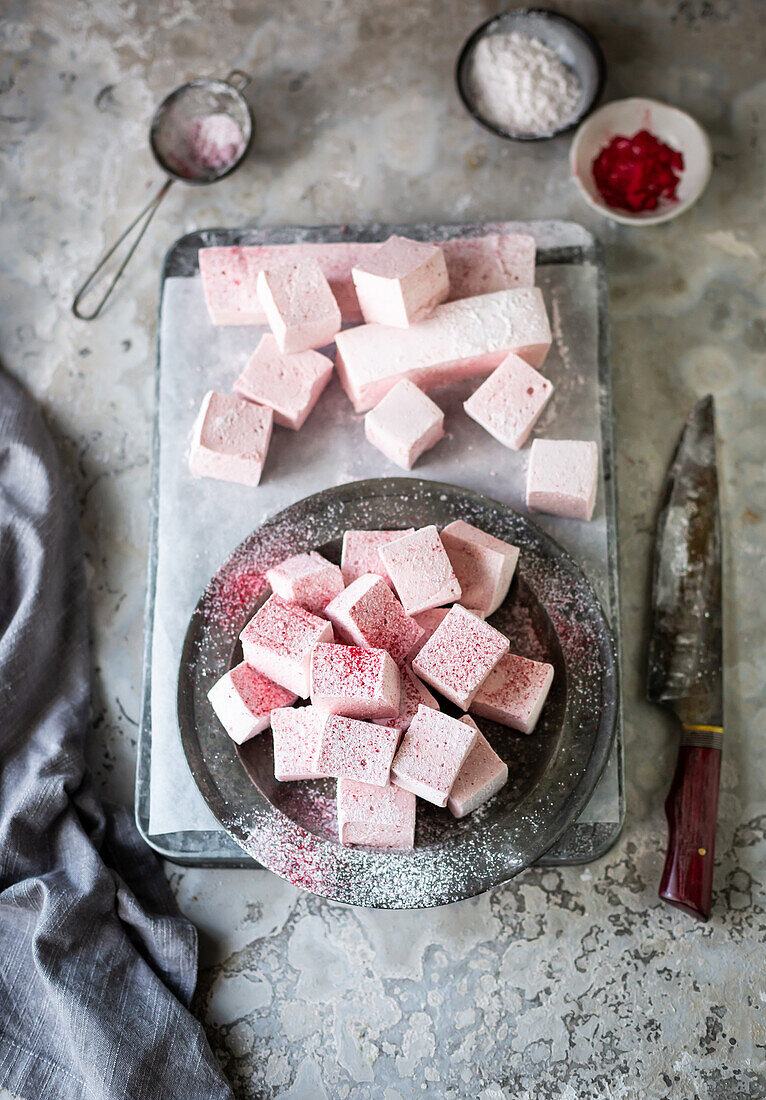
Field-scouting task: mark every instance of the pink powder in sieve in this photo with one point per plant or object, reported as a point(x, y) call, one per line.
point(214, 142)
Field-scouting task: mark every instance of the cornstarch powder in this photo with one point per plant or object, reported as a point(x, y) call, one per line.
point(521, 85)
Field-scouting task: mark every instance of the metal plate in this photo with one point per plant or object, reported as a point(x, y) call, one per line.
point(551, 612)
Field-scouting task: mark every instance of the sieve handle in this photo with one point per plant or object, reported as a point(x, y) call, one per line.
point(143, 219)
point(238, 79)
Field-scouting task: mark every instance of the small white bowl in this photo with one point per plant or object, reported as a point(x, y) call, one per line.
point(669, 124)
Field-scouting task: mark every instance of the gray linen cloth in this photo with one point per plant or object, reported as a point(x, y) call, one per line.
point(97, 966)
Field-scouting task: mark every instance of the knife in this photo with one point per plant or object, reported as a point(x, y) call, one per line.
point(685, 663)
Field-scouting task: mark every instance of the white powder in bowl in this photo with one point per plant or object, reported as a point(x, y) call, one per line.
point(521, 85)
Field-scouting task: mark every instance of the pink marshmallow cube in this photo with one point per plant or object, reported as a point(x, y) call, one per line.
point(414, 695)
point(360, 553)
point(230, 439)
point(432, 752)
point(509, 403)
point(484, 565)
point(481, 777)
point(514, 693)
point(243, 700)
point(355, 682)
point(351, 749)
point(420, 570)
point(290, 385)
point(295, 733)
point(368, 614)
point(428, 622)
point(563, 477)
point(459, 655)
point(404, 424)
point(279, 641)
point(401, 282)
point(306, 579)
point(378, 817)
point(299, 305)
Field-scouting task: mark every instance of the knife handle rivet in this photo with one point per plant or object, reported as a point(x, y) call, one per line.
point(702, 851)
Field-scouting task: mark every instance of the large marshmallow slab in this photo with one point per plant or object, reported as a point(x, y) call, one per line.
point(290, 385)
point(459, 655)
point(509, 403)
point(299, 306)
point(356, 682)
point(514, 693)
point(432, 752)
point(464, 339)
point(243, 700)
point(420, 570)
point(378, 817)
point(483, 265)
point(414, 695)
point(368, 614)
point(401, 282)
point(481, 776)
point(562, 478)
point(279, 641)
point(230, 439)
point(295, 732)
point(484, 565)
point(360, 553)
point(404, 424)
point(351, 749)
point(306, 579)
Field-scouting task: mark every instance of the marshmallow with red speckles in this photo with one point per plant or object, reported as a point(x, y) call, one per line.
point(509, 403)
point(481, 776)
point(279, 641)
point(299, 306)
point(562, 478)
point(306, 579)
point(355, 682)
point(351, 749)
point(290, 385)
point(368, 614)
point(483, 564)
point(405, 424)
point(420, 570)
point(360, 553)
point(464, 339)
point(401, 282)
point(378, 817)
point(230, 439)
point(432, 752)
point(243, 700)
point(414, 695)
point(295, 733)
point(514, 693)
point(428, 621)
point(459, 655)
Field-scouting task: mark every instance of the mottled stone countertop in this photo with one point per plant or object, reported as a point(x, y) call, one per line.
point(569, 983)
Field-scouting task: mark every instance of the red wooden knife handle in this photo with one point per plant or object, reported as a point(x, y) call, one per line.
point(692, 812)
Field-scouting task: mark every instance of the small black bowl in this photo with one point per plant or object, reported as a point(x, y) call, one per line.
point(574, 45)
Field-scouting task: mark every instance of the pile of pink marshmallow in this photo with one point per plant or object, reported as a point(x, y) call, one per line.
point(433, 314)
point(361, 642)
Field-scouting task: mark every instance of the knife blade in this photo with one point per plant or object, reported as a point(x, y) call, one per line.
point(685, 657)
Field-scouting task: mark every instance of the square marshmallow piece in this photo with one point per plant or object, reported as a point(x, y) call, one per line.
point(401, 282)
point(360, 553)
point(351, 749)
point(243, 700)
point(299, 306)
point(378, 817)
point(295, 732)
point(368, 614)
point(484, 565)
point(290, 385)
point(514, 693)
point(459, 655)
point(230, 439)
point(432, 752)
point(563, 477)
point(420, 570)
point(405, 424)
point(481, 777)
point(306, 579)
point(414, 695)
point(356, 682)
point(509, 403)
point(279, 641)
